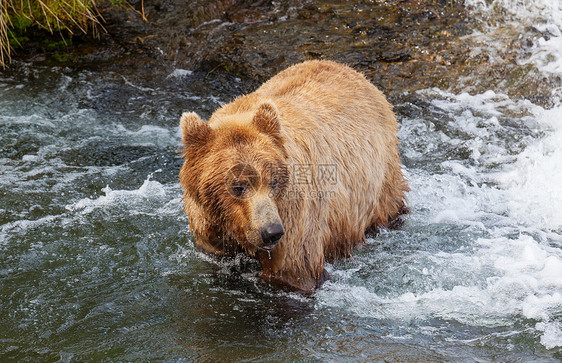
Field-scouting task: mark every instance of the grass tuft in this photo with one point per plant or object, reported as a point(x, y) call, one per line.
point(52, 15)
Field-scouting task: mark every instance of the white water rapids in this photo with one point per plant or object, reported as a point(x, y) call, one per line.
point(96, 262)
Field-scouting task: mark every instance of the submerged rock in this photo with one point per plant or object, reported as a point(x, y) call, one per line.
point(401, 45)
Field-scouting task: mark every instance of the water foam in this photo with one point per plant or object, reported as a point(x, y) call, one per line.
point(149, 191)
point(551, 334)
point(180, 73)
point(526, 185)
point(147, 134)
point(504, 278)
point(503, 197)
point(505, 19)
point(533, 183)
point(23, 224)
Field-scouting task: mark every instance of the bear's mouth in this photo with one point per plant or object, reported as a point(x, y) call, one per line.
point(268, 248)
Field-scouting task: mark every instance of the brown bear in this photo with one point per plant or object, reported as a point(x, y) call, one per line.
point(294, 173)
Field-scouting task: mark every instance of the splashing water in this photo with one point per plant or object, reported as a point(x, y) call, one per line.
point(483, 244)
point(96, 261)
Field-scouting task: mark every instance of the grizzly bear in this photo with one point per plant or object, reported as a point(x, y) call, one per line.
point(294, 173)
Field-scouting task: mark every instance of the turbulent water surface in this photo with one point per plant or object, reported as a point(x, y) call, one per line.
point(96, 261)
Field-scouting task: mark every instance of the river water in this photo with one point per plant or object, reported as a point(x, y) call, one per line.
point(96, 262)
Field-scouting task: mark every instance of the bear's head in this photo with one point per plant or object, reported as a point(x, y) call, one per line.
point(236, 171)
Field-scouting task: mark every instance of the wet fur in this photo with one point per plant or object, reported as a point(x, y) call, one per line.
point(314, 113)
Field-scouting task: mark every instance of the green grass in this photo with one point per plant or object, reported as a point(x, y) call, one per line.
point(62, 16)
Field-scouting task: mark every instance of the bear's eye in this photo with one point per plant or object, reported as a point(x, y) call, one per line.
point(239, 189)
point(274, 183)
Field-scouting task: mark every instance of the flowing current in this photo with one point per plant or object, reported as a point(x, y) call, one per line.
point(96, 262)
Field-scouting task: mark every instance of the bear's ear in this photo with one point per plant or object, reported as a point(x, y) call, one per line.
point(195, 132)
point(266, 119)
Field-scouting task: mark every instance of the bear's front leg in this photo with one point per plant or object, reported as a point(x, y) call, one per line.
point(285, 277)
point(217, 245)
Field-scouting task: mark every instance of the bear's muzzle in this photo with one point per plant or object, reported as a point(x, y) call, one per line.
point(271, 234)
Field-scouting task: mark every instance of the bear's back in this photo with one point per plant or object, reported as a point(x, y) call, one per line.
point(324, 96)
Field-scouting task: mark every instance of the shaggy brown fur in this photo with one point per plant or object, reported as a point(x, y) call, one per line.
point(314, 149)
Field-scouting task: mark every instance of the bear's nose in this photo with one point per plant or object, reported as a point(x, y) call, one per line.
point(271, 234)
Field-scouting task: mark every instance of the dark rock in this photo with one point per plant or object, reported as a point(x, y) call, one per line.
point(400, 45)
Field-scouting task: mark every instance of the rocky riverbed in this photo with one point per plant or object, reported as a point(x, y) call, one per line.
point(401, 45)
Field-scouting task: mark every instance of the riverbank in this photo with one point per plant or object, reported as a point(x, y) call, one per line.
point(393, 42)
point(400, 45)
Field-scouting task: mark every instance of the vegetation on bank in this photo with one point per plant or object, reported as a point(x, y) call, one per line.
point(56, 16)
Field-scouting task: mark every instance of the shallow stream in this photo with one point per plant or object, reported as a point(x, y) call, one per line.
point(96, 262)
